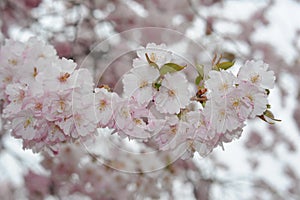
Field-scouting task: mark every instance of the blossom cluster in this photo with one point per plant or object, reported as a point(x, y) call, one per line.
point(90, 180)
point(198, 116)
point(47, 101)
point(40, 94)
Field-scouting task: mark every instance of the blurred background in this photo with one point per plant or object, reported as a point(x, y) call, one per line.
point(262, 164)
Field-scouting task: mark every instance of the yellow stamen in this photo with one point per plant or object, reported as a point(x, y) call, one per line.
point(35, 72)
point(173, 130)
point(7, 79)
point(255, 79)
point(143, 84)
point(102, 104)
point(171, 93)
point(64, 77)
point(250, 97)
point(62, 105)
point(13, 61)
point(38, 106)
point(137, 121)
point(224, 87)
point(236, 103)
point(27, 123)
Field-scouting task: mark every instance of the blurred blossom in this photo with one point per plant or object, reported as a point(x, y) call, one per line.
point(262, 164)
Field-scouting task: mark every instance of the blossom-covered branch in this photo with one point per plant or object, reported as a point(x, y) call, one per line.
point(48, 101)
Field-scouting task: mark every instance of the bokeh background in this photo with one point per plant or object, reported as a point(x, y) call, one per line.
point(262, 164)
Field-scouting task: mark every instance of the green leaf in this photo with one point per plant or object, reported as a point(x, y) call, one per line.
point(200, 69)
point(262, 117)
point(198, 80)
point(224, 65)
point(228, 56)
point(270, 115)
point(170, 68)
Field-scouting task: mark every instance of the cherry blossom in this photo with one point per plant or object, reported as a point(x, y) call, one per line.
point(39, 93)
point(70, 178)
point(172, 134)
point(256, 72)
point(155, 53)
point(220, 82)
point(254, 97)
point(52, 102)
point(25, 125)
point(138, 83)
point(129, 120)
point(104, 102)
point(82, 122)
point(16, 94)
point(60, 75)
point(173, 94)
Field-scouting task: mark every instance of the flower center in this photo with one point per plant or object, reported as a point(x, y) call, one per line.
point(173, 129)
point(78, 119)
point(20, 97)
point(38, 106)
point(224, 87)
point(143, 84)
point(13, 61)
point(255, 78)
point(62, 105)
point(222, 113)
point(102, 104)
point(7, 79)
point(35, 72)
point(55, 129)
point(250, 97)
point(236, 103)
point(27, 123)
point(64, 77)
point(137, 121)
point(171, 93)
point(125, 113)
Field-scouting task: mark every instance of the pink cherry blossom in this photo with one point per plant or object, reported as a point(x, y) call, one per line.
point(43, 96)
point(201, 125)
point(104, 102)
point(173, 134)
point(138, 83)
point(129, 120)
point(16, 94)
point(173, 94)
point(257, 73)
point(221, 115)
point(156, 53)
point(237, 105)
point(220, 82)
point(25, 125)
point(255, 97)
point(82, 122)
point(58, 106)
point(60, 75)
point(48, 101)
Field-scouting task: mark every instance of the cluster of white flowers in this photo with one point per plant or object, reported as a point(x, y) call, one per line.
point(195, 117)
point(41, 95)
point(47, 101)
